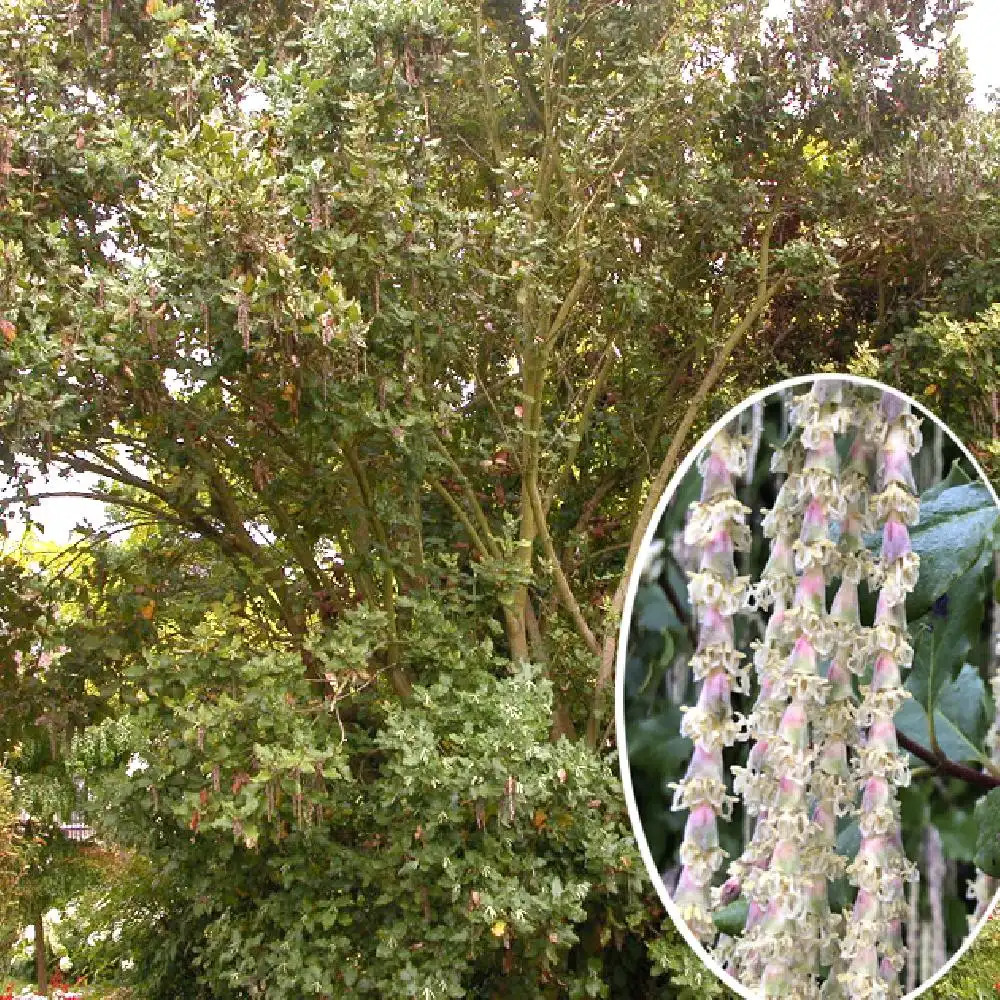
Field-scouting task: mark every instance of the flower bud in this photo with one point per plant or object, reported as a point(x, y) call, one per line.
point(779, 562)
point(838, 679)
point(822, 453)
point(701, 829)
point(895, 541)
point(717, 555)
point(794, 726)
point(885, 673)
point(883, 735)
point(845, 606)
point(714, 698)
point(811, 592)
point(890, 612)
point(894, 462)
point(717, 479)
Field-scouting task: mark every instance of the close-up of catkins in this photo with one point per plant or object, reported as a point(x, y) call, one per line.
point(802, 722)
point(716, 530)
point(813, 700)
point(873, 951)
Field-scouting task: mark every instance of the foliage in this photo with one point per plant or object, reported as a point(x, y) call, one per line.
point(976, 974)
point(11, 863)
point(950, 364)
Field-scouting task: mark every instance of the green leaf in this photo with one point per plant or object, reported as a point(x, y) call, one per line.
point(957, 476)
point(962, 703)
point(849, 840)
point(655, 744)
point(942, 642)
point(987, 817)
point(654, 611)
point(953, 532)
point(731, 919)
point(959, 717)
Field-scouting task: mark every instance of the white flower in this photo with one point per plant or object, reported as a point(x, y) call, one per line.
point(28, 934)
point(53, 916)
point(135, 765)
point(65, 964)
point(127, 965)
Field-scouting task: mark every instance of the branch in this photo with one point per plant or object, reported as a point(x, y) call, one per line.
point(691, 414)
point(563, 588)
point(461, 515)
point(764, 295)
point(110, 498)
point(943, 765)
point(470, 494)
point(572, 297)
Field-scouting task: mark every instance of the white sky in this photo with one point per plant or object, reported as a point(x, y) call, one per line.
point(979, 30)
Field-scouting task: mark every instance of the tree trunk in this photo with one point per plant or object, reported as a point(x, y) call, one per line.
point(41, 957)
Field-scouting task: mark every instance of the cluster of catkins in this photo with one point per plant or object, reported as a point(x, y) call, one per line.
point(821, 733)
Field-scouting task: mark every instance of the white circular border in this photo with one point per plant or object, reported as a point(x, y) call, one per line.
point(633, 584)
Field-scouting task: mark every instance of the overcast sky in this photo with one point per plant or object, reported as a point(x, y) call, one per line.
point(980, 31)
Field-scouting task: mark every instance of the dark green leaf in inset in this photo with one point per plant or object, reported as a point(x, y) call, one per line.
point(731, 919)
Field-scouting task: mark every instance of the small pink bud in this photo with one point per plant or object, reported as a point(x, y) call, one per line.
point(839, 679)
point(894, 464)
point(717, 555)
point(691, 893)
point(877, 848)
point(824, 455)
point(833, 759)
point(705, 763)
point(791, 794)
point(877, 794)
point(717, 478)
point(887, 972)
point(895, 540)
point(701, 828)
point(883, 734)
point(845, 604)
point(757, 755)
point(786, 857)
point(885, 673)
point(715, 694)
point(811, 592)
point(755, 913)
point(852, 532)
point(775, 625)
point(779, 562)
point(802, 659)
point(813, 522)
point(826, 821)
point(865, 906)
point(889, 613)
point(714, 628)
point(794, 726)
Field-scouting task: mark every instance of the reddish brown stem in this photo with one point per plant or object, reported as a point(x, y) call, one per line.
point(943, 765)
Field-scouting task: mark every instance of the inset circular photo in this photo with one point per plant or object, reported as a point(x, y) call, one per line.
point(807, 694)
